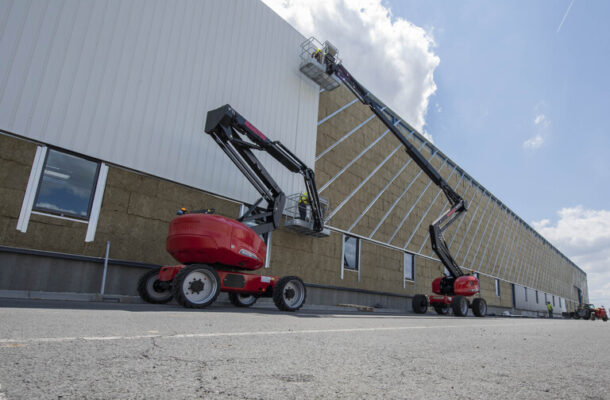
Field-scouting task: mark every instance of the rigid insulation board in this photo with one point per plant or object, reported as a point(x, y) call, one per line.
point(130, 82)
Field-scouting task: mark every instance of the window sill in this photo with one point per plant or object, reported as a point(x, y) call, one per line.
point(60, 217)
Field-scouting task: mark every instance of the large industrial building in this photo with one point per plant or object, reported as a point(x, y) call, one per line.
point(102, 109)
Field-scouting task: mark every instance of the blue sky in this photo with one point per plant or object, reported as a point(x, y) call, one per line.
point(502, 66)
point(517, 93)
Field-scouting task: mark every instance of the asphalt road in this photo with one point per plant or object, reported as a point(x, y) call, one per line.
point(70, 350)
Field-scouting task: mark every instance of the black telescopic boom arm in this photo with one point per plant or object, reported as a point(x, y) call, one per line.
point(458, 205)
point(225, 125)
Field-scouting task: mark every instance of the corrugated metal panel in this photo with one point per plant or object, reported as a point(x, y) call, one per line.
point(130, 82)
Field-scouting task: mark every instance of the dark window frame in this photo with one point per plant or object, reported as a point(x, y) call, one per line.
point(93, 189)
point(498, 291)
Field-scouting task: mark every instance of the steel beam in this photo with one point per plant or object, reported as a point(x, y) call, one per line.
point(413, 206)
point(427, 211)
point(476, 231)
point(370, 205)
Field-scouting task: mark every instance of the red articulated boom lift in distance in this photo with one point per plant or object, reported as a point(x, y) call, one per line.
point(449, 291)
point(215, 250)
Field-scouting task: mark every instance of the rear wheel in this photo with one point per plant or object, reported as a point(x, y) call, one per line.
point(289, 293)
point(242, 300)
point(196, 286)
point(479, 307)
point(441, 309)
point(605, 318)
point(460, 306)
point(576, 315)
point(152, 290)
point(420, 304)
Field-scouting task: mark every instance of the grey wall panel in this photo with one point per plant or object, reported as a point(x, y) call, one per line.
point(130, 82)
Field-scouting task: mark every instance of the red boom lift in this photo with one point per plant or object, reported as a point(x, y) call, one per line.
point(215, 250)
point(449, 291)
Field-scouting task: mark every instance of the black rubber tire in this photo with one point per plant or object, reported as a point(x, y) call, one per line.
point(605, 319)
point(242, 300)
point(592, 317)
point(289, 293)
point(576, 315)
point(479, 307)
point(148, 291)
point(193, 274)
point(587, 315)
point(420, 304)
point(441, 309)
point(460, 306)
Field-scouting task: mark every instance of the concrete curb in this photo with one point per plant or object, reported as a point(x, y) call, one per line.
point(263, 303)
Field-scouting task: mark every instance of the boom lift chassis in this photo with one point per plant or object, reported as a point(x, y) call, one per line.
point(214, 250)
point(449, 291)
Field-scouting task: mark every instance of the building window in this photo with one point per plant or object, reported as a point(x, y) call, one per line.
point(408, 267)
point(553, 300)
point(498, 287)
point(67, 185)
point(351, 253)
point(525, 294)
point(64, 186)
point(560, 302)
point(536, 297)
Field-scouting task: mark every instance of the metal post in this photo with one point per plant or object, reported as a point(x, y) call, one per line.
point(105, 267)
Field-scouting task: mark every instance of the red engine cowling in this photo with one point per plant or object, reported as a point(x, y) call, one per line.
point(214, 239)
point(466, 285)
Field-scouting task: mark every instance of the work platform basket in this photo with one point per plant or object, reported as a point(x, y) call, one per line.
point(312, 63)
point(304, 225)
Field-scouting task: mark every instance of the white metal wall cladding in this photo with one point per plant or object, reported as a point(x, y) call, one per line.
point(130, 82)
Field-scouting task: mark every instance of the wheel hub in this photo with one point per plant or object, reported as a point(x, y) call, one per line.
point(289, 293)
point(196, 286)
point(158, 286)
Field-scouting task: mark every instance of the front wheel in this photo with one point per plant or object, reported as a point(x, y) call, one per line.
point(152, 290)
point(242, 300)
point(587, 315)
point(460, 306)
point(196, 286)
point(479, 307)
point(289, 293)
point(420, 304)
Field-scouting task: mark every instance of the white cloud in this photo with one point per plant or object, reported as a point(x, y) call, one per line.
point(391, 56)
point(542, 121)
point(584, 236)
point(542, 126)
point(534, 142)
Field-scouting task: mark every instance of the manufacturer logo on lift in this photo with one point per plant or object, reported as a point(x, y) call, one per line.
point(247, 253)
